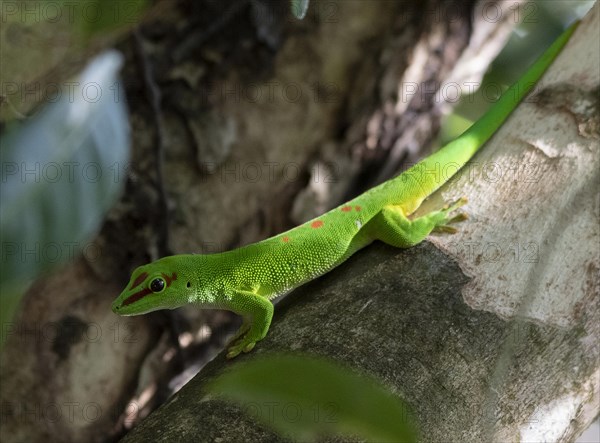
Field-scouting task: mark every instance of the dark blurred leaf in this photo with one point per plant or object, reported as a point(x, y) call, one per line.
point(61, 172)
point(306, 398)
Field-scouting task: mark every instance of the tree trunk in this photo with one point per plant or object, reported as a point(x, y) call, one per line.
point(245, 122)
point(512, 358)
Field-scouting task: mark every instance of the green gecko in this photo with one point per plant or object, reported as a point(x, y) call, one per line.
point(247, 279)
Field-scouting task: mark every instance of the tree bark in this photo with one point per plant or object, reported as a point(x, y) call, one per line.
point(509, 354)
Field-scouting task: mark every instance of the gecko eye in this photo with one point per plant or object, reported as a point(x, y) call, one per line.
point(157, 285)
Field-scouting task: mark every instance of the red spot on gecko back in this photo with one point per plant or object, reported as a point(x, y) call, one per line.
point(316, 224)
point(357, 208)
point(139, 280)
point(347, 208)
point(285, 239)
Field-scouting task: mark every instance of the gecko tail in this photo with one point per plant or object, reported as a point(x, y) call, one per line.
point(438, 168)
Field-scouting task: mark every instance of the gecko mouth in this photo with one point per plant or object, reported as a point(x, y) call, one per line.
point(116, 307)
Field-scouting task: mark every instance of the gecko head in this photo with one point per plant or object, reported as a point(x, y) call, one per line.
point(158, 285)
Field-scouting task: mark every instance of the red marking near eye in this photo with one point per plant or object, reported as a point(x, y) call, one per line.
point(139, 280)
point(285, 239)
point(316, 224)
point(347, 208)
point(170, 279)
point(135, 297)
point(358, 208)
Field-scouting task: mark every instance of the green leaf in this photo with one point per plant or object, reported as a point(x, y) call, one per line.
point(98, 16)
point(305, 398)
point(40, 42)
point(299, 8)
point(61, 171)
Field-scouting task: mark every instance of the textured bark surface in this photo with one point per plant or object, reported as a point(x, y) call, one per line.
point(401, 317)
point(264, 121)
point(499, 363)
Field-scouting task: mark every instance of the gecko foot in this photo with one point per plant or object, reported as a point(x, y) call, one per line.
point(443, 226)
point(243, 345)
point(241, 332)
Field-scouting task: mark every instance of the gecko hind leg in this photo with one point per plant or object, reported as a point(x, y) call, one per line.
point(391, 225)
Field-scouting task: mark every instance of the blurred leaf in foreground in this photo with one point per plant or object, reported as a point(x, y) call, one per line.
point(305, 398)
point(43, 44)
point(101, 16)
point(299, 8)
point(61, 171)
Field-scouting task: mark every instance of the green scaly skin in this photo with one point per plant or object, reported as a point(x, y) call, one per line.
point(245, 280)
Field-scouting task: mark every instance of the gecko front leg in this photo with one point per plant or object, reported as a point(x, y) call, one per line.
point(256, 312)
